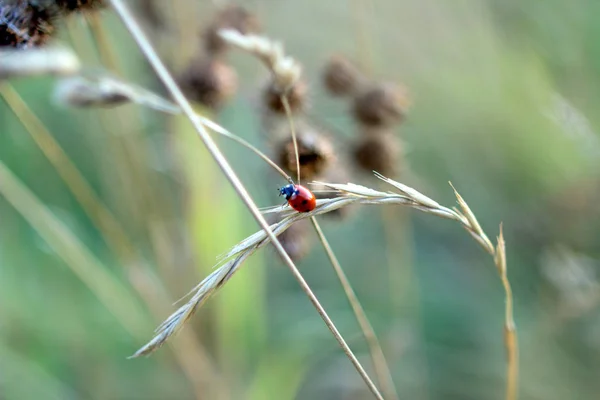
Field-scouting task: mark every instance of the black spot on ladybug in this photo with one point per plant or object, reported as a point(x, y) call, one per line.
point(304, 201)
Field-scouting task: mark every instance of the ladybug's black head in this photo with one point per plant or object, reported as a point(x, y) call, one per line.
point(287, 191)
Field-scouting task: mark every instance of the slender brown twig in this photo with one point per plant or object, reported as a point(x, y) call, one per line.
point(215, 152)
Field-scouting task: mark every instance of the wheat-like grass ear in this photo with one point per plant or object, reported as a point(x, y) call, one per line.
point(164, 75)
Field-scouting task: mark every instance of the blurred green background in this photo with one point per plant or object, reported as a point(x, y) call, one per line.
point(504, 96)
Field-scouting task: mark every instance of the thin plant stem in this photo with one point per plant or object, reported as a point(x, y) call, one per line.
point(199, 373)
point(510, 331)
point(224, 132)
point(231, 176)
point(288, 113)
point(108, 58)
point(106, 51)
point(106, 223)
point(380, 365)
point(364, 39)
point(113, 294)
point(402, 277)
point(110, 229)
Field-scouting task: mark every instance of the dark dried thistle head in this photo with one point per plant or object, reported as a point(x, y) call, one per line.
point(315, 153)
point(381, 105)
point(209, 81)
point(340, 76)
point(379, 152)
point(70, 6)
point(25, 24)
point(296, 96)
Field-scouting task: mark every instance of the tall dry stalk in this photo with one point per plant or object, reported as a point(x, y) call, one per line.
point(215, 152)
point(285, 73)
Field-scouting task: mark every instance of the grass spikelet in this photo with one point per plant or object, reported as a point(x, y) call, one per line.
point(473, 224)
point(286, 70)
point(51, 60)
point(168, 80)
point(102, 90)
point(349, 194)
point(233, 17)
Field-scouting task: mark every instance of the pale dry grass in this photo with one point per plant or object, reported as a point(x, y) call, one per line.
point(352, 194)
point(286, 72)
point(167, 79)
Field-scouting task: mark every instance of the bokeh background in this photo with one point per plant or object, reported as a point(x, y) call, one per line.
point(504, 98)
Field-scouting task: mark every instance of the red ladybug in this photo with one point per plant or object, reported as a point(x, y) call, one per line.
point(298, 197)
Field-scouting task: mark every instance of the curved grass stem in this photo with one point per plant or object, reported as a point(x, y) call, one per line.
point(164, 75)
point(110, 229)
point(288, 113)
point(382, 371)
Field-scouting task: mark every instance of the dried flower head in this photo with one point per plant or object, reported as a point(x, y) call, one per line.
point(24, 24)
point(315, 153)
point(340, 76)
point(296, 97)
point(380, 105)
point(79, 5)
point(209, 81)
point(231, 17)
point(378, 152)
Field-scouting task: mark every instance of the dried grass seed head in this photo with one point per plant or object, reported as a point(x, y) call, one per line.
point(315, 152)
point(78, 91)
point(336, 173)
point(285, 70)
point(296, 96)
point(209, 81)
point(381, 105)
point(25, 24)
point(380, 152)
point(49, 60)
point(340, 76)
point(231, 17)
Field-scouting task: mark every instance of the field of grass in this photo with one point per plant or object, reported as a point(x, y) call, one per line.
point(108, 215)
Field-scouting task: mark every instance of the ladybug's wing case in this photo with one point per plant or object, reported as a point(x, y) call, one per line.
point(303, 200)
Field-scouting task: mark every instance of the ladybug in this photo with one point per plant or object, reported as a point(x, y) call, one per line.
point(298, 197)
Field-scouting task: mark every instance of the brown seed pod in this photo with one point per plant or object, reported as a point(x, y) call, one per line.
point(70, 6)
point(340, 76)
point(209, 81)
point(379, 152)
point(315, 153)
point(381, 105)
point(24, 24)
point(231, 17)
point(297, 239)
point(296, 97)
